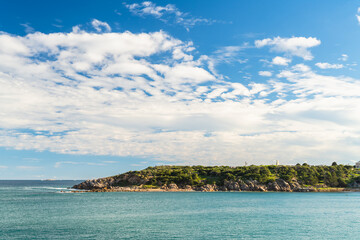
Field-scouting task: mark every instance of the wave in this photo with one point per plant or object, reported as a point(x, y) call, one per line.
point(47, 188)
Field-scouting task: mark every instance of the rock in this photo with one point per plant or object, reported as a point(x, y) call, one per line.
point(243, 186)
point(284, 186)
point(261, 188)
point(250, 184)
point(93, 184)
point(294, 185)
point(273, 186)
point(254, 185)
point(231, 185)
point(280, 185)
point(172, 186)
point(208, 188)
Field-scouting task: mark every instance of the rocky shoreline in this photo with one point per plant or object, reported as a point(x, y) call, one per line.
point(279, 185)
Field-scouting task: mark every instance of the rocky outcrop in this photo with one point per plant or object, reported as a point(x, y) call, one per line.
point(279, 185)
point(172, 186)
point(94, 184)
point(295, 185)
point(253, 185)
point(208, 188)
point(231, 186)
point(100, 183)
point(134, 182)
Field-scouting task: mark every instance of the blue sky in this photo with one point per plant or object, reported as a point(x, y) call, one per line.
point(95, 88)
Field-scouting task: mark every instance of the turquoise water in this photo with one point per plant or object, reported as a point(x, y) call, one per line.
point(38, 210)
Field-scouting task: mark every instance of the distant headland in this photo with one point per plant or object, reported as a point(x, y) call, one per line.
point(297, 178)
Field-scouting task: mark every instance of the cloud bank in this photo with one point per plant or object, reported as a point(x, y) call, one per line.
point(149, 95)
point(324, 65)
point(295, 46)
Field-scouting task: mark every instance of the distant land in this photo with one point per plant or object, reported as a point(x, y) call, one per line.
point(298, 178)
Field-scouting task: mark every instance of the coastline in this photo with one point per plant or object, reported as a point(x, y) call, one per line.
point(192, 190)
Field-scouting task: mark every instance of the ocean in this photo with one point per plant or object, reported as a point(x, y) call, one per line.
point(40, 210)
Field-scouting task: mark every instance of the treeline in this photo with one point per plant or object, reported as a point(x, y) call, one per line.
point(331, 176)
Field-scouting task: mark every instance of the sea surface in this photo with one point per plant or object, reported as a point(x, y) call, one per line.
point(47, 210)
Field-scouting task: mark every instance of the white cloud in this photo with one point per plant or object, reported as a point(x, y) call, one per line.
point(28, 168)
point(281, 61)
point(295, 46)
point(60, 164)
point(265, 73)
point(167, 13)
point(148, 95)
point(344, 57)
point(100, 26)
point(358, 16)
point(110, 162)
point(328, 65)
point(149, 8)
point(28, 27)
point(3, 167)
point(227, 54)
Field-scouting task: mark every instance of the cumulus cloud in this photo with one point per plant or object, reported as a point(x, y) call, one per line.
point(167, 13)
point(149, 95)
point(324, 65)
point(265, 73)
point(280, 61)
point(295, 46)
point(100, 26)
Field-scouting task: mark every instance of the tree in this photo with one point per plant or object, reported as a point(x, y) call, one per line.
point(334, 164)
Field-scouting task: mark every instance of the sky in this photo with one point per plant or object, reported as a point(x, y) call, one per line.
point(95, 88)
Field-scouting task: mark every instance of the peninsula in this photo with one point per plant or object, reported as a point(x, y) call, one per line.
point(298, 178)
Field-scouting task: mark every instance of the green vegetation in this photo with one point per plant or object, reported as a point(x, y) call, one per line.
point(328, 176)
